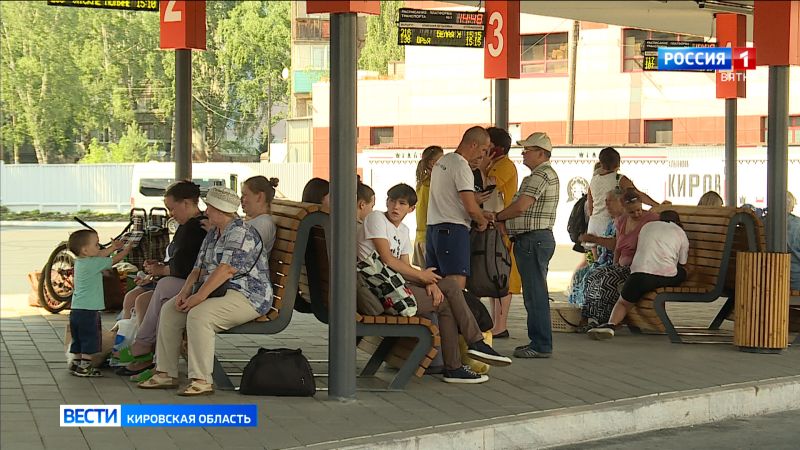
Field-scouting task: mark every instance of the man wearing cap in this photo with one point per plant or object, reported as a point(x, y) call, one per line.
point(452, 206)
point(529, 222)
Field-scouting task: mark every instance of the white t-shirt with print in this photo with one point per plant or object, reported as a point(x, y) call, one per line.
point(661, 247)
point(377, 225)
point(450, 176)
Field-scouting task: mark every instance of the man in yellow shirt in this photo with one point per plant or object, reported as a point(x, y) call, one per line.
point(502, 172)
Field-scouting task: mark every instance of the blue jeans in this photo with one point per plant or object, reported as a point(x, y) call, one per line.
point(533, 251)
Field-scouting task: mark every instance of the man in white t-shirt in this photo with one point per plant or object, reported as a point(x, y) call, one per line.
point(661, 253)
point(452, 206)
point(385, 233)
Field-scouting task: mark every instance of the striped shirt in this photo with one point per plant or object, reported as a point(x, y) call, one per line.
point(542, 184)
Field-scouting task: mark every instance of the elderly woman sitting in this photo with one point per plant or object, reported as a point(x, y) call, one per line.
point(234, 288)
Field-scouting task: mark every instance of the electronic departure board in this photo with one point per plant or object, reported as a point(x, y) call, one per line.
point(440, 28)
point(650, 52)
point(129, 5)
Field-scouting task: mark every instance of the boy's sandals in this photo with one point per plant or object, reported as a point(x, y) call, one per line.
point(159, 381)
point(196, 388)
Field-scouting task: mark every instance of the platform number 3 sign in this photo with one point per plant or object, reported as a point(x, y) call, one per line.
point(501, 53)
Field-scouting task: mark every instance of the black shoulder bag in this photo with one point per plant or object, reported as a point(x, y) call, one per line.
point(281, 372)
point(222, 289)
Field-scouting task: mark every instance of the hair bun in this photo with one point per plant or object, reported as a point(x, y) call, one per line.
point(273, 182)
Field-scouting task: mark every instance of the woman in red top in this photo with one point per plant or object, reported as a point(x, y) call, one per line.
point(602, 285)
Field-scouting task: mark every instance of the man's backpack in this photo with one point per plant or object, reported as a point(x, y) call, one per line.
point(578, 223)
point(490, 264)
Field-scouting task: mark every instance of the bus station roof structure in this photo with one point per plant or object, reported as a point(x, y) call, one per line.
point(695, 17)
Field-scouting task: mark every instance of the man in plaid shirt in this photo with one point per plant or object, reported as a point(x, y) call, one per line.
point(529, 222)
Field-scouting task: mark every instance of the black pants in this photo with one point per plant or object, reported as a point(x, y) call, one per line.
point(640, 283)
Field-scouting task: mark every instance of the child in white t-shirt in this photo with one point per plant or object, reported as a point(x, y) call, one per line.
point(385, 233)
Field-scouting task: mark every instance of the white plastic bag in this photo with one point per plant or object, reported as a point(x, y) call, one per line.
point(126, 333)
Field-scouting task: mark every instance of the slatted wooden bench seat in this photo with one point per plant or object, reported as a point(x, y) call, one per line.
point(285, 268)
point(405, 343)
point(304, 226)
point(715, 235)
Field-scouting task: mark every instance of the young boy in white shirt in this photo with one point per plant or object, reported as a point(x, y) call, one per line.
point(385, 233)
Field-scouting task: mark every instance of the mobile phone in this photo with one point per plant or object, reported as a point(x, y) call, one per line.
point(202, 217)
point(489, 188)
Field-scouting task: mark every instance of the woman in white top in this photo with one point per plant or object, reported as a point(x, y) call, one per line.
point(603, 181)
point(257, 195)
point(661, 253)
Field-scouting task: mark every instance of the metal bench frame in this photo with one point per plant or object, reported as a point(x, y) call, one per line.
point(665, 295)
point(390, 332)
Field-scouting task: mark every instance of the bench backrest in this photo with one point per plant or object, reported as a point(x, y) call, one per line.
point(292, 222)
point(715, 235)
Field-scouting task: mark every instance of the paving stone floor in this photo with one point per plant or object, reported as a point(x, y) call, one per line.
point(34, 382)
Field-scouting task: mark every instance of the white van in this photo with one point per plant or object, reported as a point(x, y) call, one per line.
point(150, 180)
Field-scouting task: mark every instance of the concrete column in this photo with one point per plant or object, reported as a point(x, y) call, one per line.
point(777, 157)
point(183, 114)
point(342, 327)
point(730, 153)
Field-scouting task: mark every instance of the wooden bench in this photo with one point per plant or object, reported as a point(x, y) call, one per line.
point(715, 235)
point(302, 227)
point(405, 343)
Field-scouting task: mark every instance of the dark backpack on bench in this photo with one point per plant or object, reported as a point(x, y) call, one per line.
point(281, 372)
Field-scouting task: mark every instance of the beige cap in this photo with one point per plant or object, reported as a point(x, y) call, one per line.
point(223, 199)
point(537, 139)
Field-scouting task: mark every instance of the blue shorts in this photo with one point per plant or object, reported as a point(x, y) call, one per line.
point(84, 325)
point(447, 249)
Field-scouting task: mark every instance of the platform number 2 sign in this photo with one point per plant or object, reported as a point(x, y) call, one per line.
point(170, 15)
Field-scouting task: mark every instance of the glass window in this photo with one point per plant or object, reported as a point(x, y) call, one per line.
point(544, 53)
point(633, 39)
point(658, 131)
point(793, 132)
point(381, 135)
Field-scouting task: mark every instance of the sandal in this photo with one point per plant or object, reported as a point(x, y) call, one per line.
point(144, 376)
point(159, 381)
point(125, 372)
point(196, 388)
point(125, 356)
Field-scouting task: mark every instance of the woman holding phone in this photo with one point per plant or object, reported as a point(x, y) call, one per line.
point(181, 199)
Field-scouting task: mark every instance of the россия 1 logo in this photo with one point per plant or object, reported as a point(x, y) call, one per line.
point(708, 58)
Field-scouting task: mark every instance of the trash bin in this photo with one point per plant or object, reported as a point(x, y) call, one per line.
point(762, 302)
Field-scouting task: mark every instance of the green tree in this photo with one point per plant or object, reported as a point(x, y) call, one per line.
point(380, 45)
point(42, 79)
point(132, 147)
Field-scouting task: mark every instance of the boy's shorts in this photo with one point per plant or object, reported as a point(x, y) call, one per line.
point(447, 249)
point(86, 331)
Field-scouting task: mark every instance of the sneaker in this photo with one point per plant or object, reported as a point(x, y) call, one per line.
point(526, 351)
point(464, 375)
point(87, 371)
point(501, 335)
point(602, 332)
point(482, 352)
point(72, 366)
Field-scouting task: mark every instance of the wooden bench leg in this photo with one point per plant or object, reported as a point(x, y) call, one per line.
point(221, 380)
point(424, 343)
point(659, 303)
point(378, 357)
point(723, 313)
